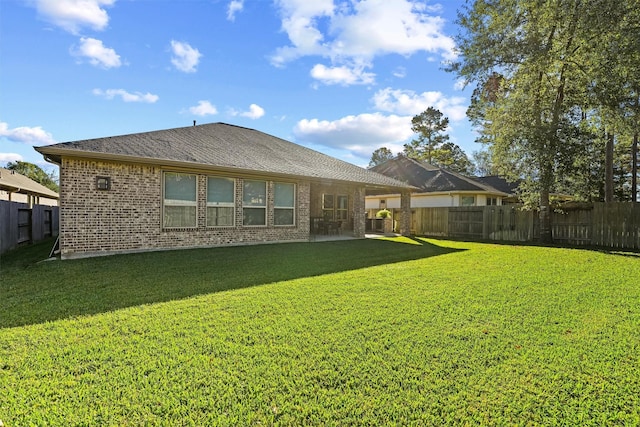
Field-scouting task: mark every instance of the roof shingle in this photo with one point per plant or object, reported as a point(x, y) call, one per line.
point(224, 146)
point(429, 178)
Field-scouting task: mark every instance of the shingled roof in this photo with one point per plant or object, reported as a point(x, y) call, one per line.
point(429, 178)
point(13, 182)
point(220, 146)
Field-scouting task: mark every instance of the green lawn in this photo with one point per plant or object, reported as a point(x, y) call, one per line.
point(367, 332)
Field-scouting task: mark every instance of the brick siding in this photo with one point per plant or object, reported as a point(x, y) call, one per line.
point(128, 216)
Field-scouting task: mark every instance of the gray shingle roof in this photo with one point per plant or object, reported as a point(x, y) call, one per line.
point(222, 146)
point(429, 178)
point(499, 183)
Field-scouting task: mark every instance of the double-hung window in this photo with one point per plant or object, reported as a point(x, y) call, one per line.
point(342, 208)
point(327, 207)
point(284, 203)
point(220, 202)
point(180, 206)
point(254, 203)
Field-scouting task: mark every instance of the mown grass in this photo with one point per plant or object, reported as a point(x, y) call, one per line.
point(372, 332)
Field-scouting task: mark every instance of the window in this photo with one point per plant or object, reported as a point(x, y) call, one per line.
point(180, 206)
point(254, 203)
point(492, 201)
point(284, 201)
point(327, 207)
point(220, 202)
point(467, 200)
point(342, 208)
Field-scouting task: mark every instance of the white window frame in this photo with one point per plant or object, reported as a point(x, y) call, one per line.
point(231, 205)
point(291, 208)
point(342, 214)
point(255, 207)
point(174, 202)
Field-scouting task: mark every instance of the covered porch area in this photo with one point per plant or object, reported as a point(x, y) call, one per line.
point(337, 211)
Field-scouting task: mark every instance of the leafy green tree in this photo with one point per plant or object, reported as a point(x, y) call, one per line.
point(482, 163)
point(35, 173)
point(430, 125)
point(380, 156)
point(548, 56)
point(450, 156)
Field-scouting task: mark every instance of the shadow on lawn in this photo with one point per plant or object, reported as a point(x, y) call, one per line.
point(48, 291)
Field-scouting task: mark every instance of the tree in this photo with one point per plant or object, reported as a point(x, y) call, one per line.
point(430, 126)
point(35, 173)
point(546, 54)
point(451, 157)
point(380, 156)
point(482, 163)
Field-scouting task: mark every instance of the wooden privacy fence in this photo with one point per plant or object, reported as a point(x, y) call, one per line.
point(20, 224)
point(610, 225)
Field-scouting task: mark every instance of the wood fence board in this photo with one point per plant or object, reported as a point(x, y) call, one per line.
point(20, 224)
point(609, 225)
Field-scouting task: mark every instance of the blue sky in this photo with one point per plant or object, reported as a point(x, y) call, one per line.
point(343, 77)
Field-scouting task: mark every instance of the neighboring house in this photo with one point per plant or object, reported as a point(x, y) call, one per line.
point(28, 210)
point(15, 187)
point(437, 187)
point(199, 186)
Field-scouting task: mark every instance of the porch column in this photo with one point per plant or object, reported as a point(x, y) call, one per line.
point(405, 214)
point(359, 213)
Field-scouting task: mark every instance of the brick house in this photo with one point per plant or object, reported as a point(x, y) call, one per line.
point(200, 186)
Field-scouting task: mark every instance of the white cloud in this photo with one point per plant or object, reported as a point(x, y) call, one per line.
point(127, 96)
point(357, 32)
point(460, 84)
point(27, 135)
point(360, 134)
point(299, 21)
point(234, 7)
point(204, 108)
point(185, 58)
point(341, 75)
point(97, 53)
point(255, 112)
point(400, 72)
point(72, 15)
point(10, 157)
point(408, 102)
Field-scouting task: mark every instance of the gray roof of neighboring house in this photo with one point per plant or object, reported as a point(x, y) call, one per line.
point(14, 182)
point(220, 146)
point(429, 178)
point(499, 183)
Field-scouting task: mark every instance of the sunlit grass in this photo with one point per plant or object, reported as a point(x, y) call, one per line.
point(346, 333)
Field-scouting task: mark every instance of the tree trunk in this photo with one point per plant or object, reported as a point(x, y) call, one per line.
point(634, 169)
point(608, 169)
point(545, 217)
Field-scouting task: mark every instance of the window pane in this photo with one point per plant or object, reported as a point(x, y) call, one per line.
point(219, 217)
point(283, 216)
point(468, 201)
point(341, 215)
point(327, 201)
point(254, 216)
point(220, 190)
point(179, 216)
point(284, 194)
point(178, 186)
point(343, 202)
point(254, 193)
